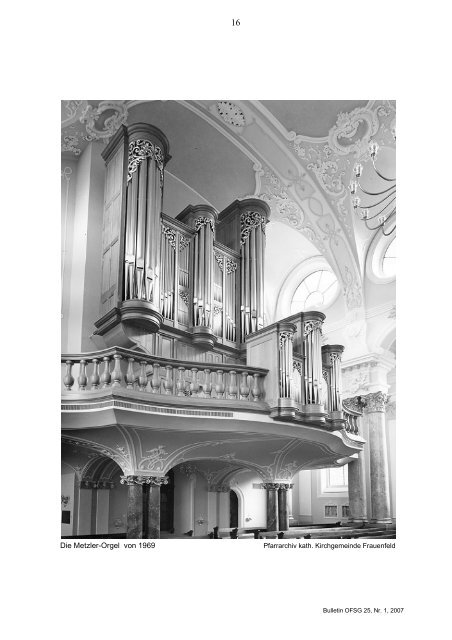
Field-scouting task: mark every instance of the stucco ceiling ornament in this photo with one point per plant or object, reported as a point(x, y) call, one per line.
point(155, 461)
point(284, 208)
point(71, 110)
point(111, 124)
point(122, 460)
point(69, 143)
point(352, 290)
point(352, 131)
point(288, 470)
point(231, 113)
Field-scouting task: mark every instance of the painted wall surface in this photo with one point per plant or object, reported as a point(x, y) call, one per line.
point(68, 183)
point(177, 195)
point(85, 502)
point(103, 502)
point(302, 498)
point(183, 502)
point(67, 489)
point(322, 498)
point(252, 500)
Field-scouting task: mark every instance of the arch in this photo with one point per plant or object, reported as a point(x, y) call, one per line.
point(374, 258)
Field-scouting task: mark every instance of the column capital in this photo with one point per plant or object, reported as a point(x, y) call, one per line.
point(375, 402)
point(285, 486)
point(271, 486)
point(368, 373)
point(155, 481)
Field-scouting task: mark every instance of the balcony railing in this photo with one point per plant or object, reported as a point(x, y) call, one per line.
point(117, 367)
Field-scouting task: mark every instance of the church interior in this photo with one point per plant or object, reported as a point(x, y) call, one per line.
point(228, 309)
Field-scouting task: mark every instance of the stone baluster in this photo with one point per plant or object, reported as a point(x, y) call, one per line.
point(68, 378)
point(180, 384)
point(130, 376)
point(155, 380)
point(95, 378)
point(255, 390)
point(168, 381)
point(82, 379)
point(105, 378)
point(207, 383)
point(244, 388)
point(143, 378)
point(232, 389)
point(220, 387)
point(116, 375)
point(194, 386)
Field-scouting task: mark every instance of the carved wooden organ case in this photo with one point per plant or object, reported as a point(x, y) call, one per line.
point(183, 286)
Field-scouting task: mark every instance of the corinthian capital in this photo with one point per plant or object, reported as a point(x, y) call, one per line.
point(375, 402)
point(272, 486)
point(151, 480)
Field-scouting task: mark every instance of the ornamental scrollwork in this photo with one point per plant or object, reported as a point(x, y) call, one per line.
point(231, 266)
point(310, 326)
point(297, 366)
point(272, 486)
point(251, 220)
point(202, 222)
point(170, 235)
point(217, 310)
point(140, 150)
point(155, 481)
point(183, 243)
point(354, 405)
point(184, 297)
point(111, 124)
point(219, 259)
point(284, 336)
point(375, 402)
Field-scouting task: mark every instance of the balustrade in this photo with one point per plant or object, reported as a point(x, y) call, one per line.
point(155, 375)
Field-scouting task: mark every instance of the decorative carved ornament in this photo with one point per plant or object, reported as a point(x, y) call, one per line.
point(374, 402)
point(202, 222)
point(65, 501)
point(354, 405)
point(184, 297)
point(312, 325)
point(140, 150)
point(284, 336)
point(297, 366)
point(183, 243)
point(231, 113)
point(219, 259)
point(251, 220)
point(335, 357)
point(111, 124)
point(271, 486)
point(219, 488)
point(170, 235)
point(154, 481)
point(231, 266)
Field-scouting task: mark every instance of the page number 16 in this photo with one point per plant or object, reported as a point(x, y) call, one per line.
point(235, 22)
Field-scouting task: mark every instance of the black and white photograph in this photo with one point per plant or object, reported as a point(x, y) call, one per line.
point(225, 366)
point(228, 319)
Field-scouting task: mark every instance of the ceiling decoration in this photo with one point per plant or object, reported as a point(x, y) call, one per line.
point(83, 121)
point(231, 113)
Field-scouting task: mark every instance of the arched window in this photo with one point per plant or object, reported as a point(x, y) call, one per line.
point(389, 260)
point(316, 291)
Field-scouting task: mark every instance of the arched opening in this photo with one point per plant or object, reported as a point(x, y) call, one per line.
point(233, 509)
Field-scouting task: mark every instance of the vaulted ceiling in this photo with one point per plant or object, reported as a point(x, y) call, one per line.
point(296, 155)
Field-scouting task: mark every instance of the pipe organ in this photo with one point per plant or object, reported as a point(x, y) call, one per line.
point(198, 276)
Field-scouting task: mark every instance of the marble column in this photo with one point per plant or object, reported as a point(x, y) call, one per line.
point(374, 411)
point(152, 530)
point(143, 505)
point(283, 506)
point(135, 501)
point(272, 505)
